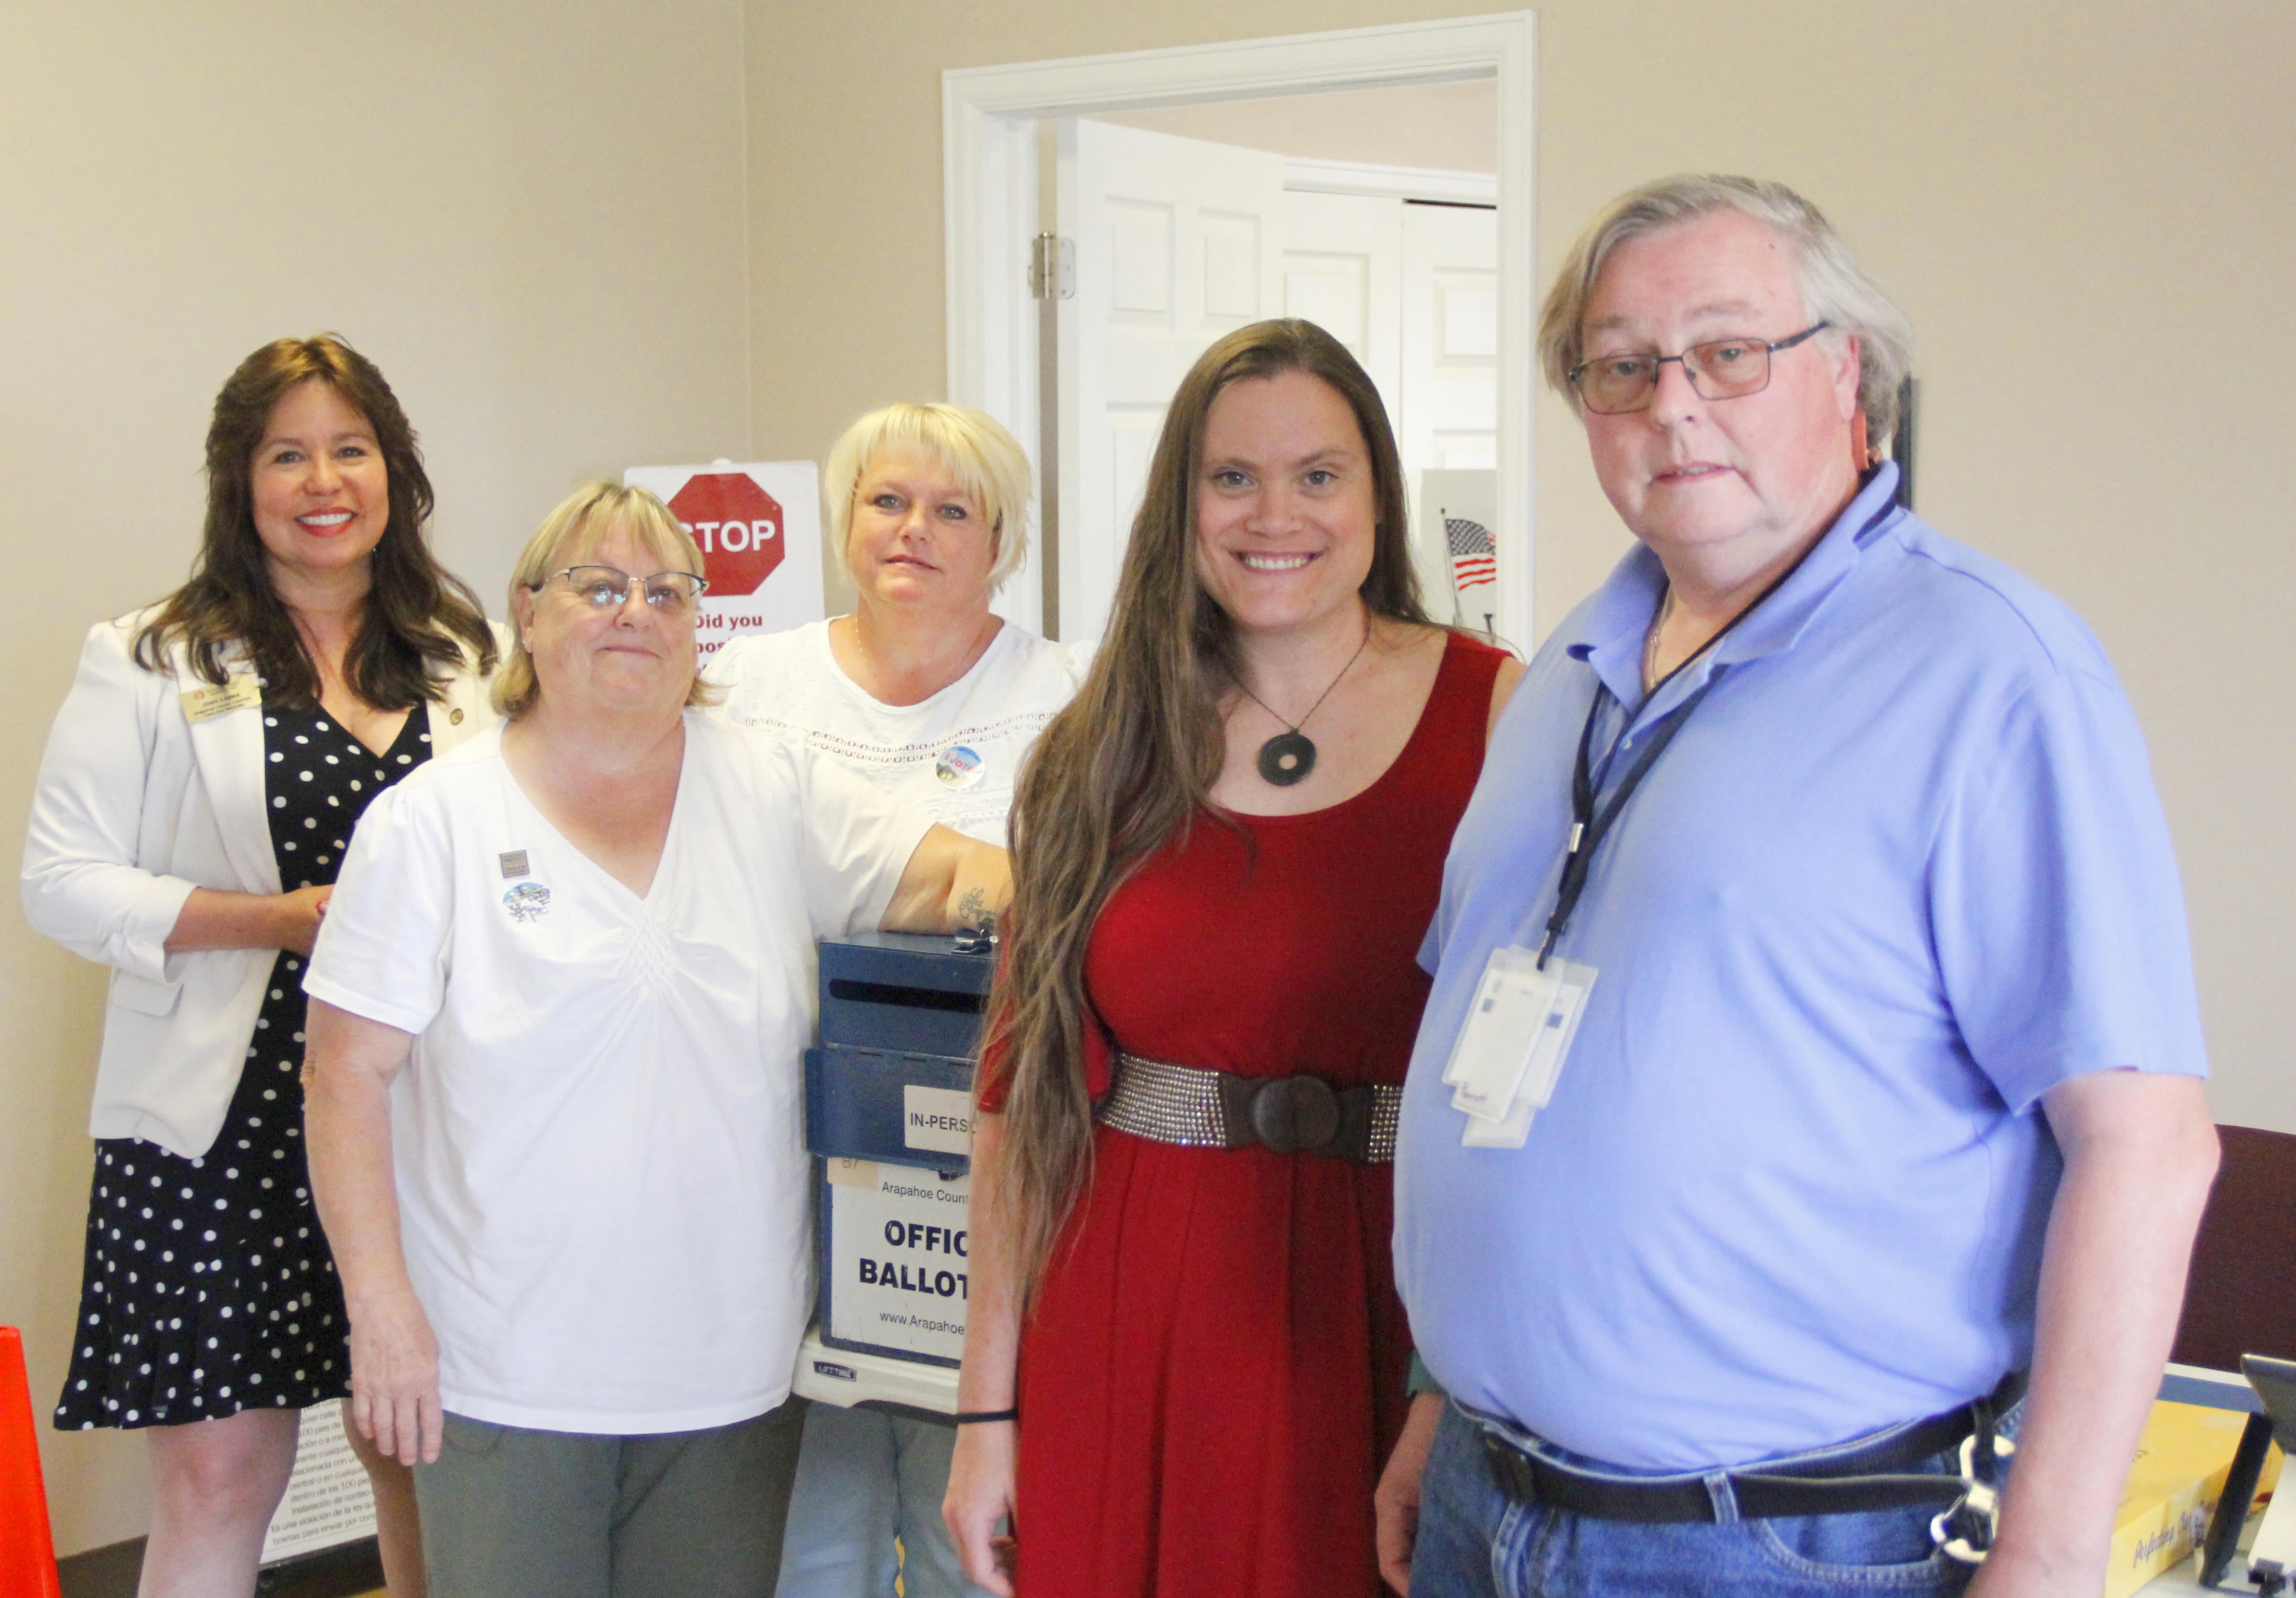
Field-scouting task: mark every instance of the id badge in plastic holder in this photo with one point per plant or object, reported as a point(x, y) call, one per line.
point(1510, 1051)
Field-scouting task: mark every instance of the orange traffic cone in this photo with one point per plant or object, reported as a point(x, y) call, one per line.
point(28, 1554)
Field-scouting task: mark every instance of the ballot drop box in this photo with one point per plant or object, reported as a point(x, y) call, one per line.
point(889, 1118)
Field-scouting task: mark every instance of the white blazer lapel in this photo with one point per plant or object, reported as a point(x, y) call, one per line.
point(229, 749)
point(466, 711)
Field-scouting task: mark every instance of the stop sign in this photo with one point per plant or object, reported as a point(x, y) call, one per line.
point(738, 525)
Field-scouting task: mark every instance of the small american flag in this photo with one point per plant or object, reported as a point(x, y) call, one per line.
point(1474, 561)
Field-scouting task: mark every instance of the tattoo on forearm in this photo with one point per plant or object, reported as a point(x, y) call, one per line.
point(972, 911)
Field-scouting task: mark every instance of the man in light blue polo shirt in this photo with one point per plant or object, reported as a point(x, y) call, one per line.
point(1881, 1077)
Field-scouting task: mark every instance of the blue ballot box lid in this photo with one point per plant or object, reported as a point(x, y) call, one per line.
point(905, 992)
point(884, 1104)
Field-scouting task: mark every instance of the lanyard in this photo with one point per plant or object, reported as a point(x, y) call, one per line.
point(1588, 826)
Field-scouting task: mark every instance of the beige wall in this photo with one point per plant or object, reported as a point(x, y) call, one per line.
point(529, 215)
point(2084, 205)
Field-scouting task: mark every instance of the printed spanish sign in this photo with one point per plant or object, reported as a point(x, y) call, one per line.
point(328, 1500)
point(759, 528)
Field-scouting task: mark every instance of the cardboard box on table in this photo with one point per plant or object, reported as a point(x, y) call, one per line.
point(2179, 1471)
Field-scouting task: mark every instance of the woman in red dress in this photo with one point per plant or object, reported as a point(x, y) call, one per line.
point(1226, 851)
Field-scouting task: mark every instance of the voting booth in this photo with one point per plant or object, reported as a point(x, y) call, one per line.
point(889, 1118)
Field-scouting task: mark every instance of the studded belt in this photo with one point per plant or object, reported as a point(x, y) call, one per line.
point(1219, 1110)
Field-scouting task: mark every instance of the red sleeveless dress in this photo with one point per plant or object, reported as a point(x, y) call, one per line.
point(1213, 1378)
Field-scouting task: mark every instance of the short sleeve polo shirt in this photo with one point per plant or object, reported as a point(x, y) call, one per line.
point(1902, 871)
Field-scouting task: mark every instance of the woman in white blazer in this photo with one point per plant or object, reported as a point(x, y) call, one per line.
point(197, 791)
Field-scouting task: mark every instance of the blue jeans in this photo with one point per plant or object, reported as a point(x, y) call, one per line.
point(863, 1479)
point(1476, 1542)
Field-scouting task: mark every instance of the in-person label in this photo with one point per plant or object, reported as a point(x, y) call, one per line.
point(938, 1119)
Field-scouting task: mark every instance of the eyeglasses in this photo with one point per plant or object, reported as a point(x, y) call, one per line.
point(671, 594)
point(1611, 385)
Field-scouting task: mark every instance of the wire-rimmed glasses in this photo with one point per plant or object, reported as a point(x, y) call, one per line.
point(670, 594)
point(1612, 385)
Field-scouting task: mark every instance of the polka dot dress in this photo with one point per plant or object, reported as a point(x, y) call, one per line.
point(208, 1287)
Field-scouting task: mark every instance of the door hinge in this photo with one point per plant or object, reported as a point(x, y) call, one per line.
point(1052, 267)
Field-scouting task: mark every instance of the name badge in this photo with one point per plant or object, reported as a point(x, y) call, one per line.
point(1510, 1051)
point(241, 692)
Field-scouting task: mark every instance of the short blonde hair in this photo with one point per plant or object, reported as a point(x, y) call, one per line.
point(568, 537)
point(986, 461)
point(1835, 289)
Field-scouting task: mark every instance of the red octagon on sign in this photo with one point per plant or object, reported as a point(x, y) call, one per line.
point(738, 525)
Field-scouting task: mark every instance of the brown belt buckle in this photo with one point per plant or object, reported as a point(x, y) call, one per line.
point(1293, 1115)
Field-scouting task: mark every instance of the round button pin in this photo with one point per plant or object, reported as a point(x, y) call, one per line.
point(958, 766)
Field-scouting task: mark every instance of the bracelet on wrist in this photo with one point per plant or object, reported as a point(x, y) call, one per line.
point(982, 1417)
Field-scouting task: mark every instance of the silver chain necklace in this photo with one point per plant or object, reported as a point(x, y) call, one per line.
point(1650, 639)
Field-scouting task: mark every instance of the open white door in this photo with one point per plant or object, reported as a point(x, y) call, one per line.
point(1410, 289)
point(1450, 337)
point(1343, 271)
point(1178, 242)
point(1450, 401)
point(991, 116)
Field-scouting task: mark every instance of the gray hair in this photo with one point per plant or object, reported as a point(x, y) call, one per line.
point(1834, 288)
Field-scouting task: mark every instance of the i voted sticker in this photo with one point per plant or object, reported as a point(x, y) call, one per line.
point(527, 901)
point(958, 766)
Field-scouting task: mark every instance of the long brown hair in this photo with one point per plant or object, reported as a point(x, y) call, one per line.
point(1121, 771)
point(421, 621)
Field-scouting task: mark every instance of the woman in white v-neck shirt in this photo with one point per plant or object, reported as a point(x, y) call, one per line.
point(928, 696)
point(557, 1008)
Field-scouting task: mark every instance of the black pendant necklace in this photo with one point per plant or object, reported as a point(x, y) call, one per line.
point(1290, 756)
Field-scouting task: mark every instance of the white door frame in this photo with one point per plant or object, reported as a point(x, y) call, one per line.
point(1372, 181)
point(989, 190)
